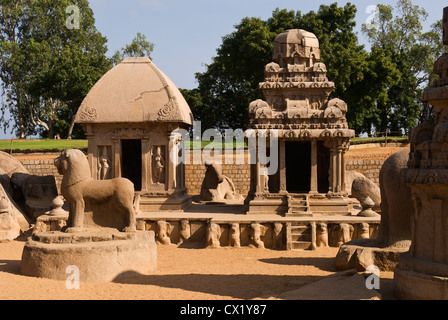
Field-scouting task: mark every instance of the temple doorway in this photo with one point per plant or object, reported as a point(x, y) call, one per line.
point(131, 161)
point(298, 166)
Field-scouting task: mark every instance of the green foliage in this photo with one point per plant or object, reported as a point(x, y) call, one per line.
point(139, 47)
point(381, 87)
point(398, 35)
point(231, 81)
point(56, 65)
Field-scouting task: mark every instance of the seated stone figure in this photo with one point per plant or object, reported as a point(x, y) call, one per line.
point(78, 187)
point(216, 186)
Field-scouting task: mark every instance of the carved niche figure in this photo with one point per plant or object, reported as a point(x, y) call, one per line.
point(158, 164)
point(78, 186)
point(265, 177)
point(104, 164)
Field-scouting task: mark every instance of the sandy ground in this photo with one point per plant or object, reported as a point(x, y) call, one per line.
point(193, 274)
point(187, 274)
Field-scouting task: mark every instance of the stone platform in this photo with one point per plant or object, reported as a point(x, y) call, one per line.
point(230, 226)
point(100, 254)
point(418, 279)
point(362, 253)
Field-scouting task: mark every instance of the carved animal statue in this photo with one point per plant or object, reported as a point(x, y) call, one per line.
point(363, 231)
point(164, 230)
point(234, 235)
point(258, 231)
point(322, 235)
point(363, 188)
point(213, 235)
point(396, 203)
point(216, 186)
point(277, 236)
point(78, 186)
point(341, 233)
point(184, 230)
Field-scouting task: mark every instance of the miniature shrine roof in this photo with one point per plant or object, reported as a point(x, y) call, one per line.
point(134, 91)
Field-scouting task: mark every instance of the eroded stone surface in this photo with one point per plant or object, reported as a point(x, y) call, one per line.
point(99, 255)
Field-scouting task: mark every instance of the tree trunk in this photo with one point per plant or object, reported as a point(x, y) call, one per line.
point(72, 125)
point(70, 130)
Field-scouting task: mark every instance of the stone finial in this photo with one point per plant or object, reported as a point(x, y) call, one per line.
point(56, 206)
point(367, 205)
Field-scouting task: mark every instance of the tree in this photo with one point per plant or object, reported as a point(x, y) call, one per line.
point(139, 47)
point(61, 62)
point(12, 58)
point(400, 37)
point(231, 81)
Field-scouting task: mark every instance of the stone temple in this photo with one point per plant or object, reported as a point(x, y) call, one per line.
point(128, 117)
point(312, 131)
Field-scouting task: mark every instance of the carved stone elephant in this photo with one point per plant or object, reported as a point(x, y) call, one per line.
point(213, 235)
point(340, 234)
point(257, 232)
point(164, 230)
point(396, 203)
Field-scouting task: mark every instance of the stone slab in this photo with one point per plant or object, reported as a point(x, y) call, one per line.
point(361, 253)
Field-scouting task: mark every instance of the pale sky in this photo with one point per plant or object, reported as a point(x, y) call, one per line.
point(186, 33)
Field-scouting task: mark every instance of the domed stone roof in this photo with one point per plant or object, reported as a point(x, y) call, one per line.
point(134, 91)
point(295, 42)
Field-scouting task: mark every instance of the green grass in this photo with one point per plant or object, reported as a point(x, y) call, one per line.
point(53, 145)
point(358, 140)
point(41, 145)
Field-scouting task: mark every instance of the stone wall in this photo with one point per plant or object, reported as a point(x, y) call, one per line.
point(239, 173)
point(369, 168)
point(194, 173)
point(43, 168)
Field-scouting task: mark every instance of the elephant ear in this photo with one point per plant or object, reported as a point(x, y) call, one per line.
point(263, 230)
point(169, 227)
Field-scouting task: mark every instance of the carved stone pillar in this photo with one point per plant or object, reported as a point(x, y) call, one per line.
point(282, 167)
point(313, 184)
point(146, 170)
point(116, 157)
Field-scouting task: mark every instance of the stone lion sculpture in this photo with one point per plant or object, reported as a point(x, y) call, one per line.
point(78, 186)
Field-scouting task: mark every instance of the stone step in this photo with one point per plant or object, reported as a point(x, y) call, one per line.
point(300, 245)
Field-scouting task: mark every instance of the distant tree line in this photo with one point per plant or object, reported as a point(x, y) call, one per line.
point(51, 54)
point(382, 87)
